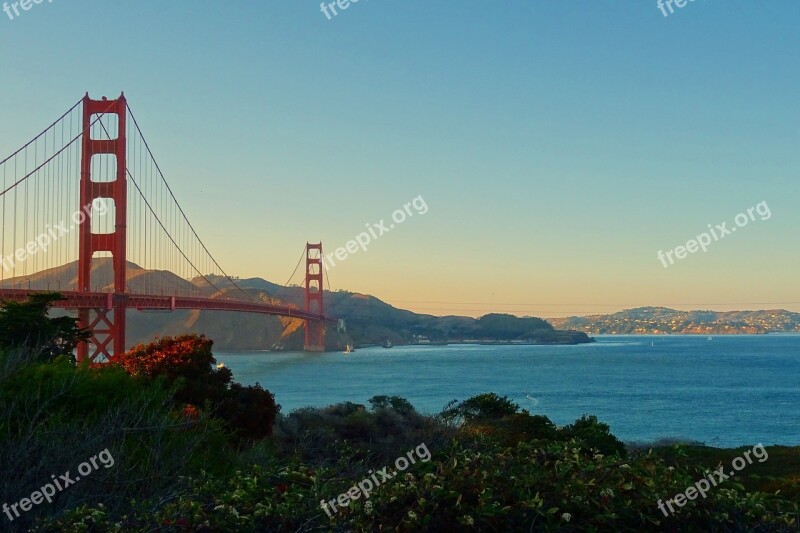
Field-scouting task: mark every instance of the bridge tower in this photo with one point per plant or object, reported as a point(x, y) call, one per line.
point(107, 324)
point(314, 329)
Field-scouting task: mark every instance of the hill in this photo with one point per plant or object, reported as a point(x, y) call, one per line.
point(369, 320)
point(661, 320)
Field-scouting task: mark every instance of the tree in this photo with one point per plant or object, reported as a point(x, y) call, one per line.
point(595, 434)
point(396, 403)
point(26, 325)
point(187, 364)
point(250, 411)
point(487, 406)
point(185, 361)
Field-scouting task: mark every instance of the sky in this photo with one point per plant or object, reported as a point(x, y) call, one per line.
point(557, 146)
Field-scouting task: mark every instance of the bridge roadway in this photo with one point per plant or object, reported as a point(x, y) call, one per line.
point(107, 300)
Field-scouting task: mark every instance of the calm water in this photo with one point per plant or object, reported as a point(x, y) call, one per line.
point(730, 391)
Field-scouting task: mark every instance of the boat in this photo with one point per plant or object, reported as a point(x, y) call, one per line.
point(349, 348)
point(709, 339)
point(387, 344)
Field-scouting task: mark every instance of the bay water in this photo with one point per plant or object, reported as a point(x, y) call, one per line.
point(728, 391)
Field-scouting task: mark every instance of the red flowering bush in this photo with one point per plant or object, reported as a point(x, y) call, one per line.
point(187, 363)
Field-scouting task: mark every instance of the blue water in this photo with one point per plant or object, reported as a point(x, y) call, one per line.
point(730, 391)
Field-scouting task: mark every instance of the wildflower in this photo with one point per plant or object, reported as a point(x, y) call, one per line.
point(566, 517)
point(233, 511)
point(409, 477)
point(190, 412)
point(467, 520)
point(412, 515)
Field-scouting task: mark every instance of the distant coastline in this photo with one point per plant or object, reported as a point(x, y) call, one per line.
point(665, 321)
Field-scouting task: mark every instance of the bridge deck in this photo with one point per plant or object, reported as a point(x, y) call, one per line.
point(107, 300)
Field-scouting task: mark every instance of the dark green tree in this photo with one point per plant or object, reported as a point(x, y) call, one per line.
point(396, 403)
point(487, 406)
point(595, 434)
point(26, 325)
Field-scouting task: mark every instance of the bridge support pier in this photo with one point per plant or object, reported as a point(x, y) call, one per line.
point(314, 329)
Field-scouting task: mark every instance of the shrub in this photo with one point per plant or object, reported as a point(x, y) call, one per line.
point(25, 326)
point(317, 434)
point(396, 403)
point(594, 434)
point(250, 411)
point(54, 415)
point(556, 487)
point(488, 406)
point(187, 363)
point(524, 427)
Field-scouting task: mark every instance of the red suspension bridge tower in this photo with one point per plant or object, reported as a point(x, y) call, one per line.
point(106, 324)
point(315, 330)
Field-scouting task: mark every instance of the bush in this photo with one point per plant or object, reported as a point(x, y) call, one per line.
point(317, 435)
point(596, 435)
point(187, 364)
point(483, 407)
point(396, 403)
point(25, 326)
point(524, 427)
point(250, 411)
point(184, 361)
point(553, 487)
point(54, 416)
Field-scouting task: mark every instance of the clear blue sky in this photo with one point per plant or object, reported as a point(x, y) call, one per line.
point(558, 145)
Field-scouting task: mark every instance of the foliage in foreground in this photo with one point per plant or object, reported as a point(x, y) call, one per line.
point(54, 416)
point(485, 475)
point(476, 486)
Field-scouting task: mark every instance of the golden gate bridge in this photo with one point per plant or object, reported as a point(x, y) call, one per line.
point(88, 192)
